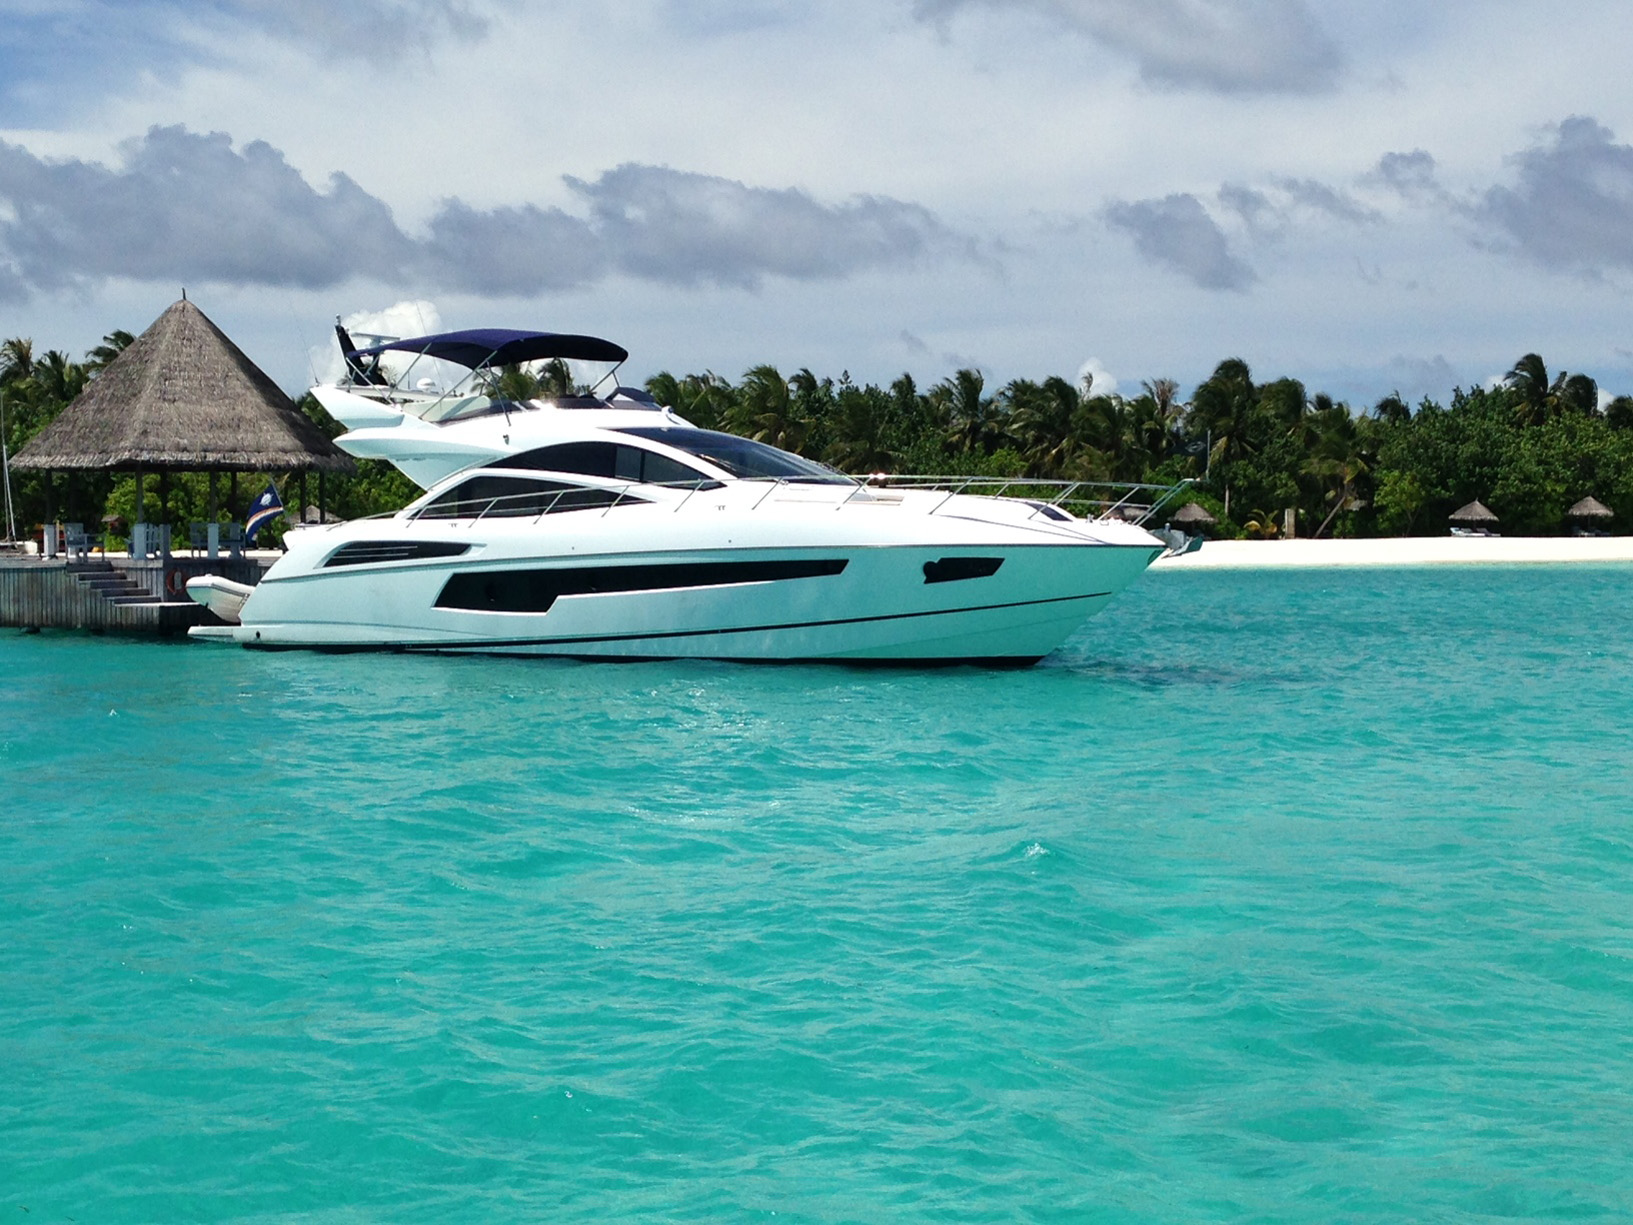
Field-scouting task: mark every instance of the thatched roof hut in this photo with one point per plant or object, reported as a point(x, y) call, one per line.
point(182, 397)
point(1474, 512)
point(1590, 508)
point(1193, 515)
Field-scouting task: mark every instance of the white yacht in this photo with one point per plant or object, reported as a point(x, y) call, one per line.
point(608, 527)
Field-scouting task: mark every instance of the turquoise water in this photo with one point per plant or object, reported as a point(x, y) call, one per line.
point(1273, 897)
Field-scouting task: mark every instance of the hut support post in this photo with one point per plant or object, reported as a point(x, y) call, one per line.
point(323, 502)
point(212, 525)
point(138, 530)
point(302, 518)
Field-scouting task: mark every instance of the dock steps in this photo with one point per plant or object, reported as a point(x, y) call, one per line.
point(112, 585)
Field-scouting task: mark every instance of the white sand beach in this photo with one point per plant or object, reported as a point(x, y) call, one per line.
point(1407, 551)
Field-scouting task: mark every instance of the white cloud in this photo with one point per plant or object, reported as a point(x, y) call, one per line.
point(1101, 382)
point(411, 317)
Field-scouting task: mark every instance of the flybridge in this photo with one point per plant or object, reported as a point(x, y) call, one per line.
point(476, 348)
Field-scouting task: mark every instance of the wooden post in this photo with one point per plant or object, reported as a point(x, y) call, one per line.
point(302, 517)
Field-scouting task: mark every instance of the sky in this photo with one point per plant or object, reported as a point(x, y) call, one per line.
point(1381, 197)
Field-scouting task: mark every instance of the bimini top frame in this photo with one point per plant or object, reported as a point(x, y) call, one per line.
point(478, 350)
point(479, 347)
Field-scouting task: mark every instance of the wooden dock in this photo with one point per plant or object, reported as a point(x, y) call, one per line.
point(119, 594)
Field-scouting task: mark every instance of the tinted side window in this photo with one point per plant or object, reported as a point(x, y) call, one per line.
point(584, 458)
point(501, 497)
point(661, 470)
point(491, 496)
point(606, 459)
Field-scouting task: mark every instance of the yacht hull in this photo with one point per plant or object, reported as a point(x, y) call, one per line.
point(988, 602)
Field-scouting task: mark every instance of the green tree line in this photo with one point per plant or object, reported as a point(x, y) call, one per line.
point(1528, 447)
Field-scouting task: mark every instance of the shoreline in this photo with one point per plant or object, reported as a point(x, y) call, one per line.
point(1403, 551)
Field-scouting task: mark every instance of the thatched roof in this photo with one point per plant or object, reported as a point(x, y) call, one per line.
point(183, 396)
point(1192, 513)
point(1474, 512)
point(1590, 508)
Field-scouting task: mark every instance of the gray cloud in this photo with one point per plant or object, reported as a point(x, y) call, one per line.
point(1416, 377)
point(1409, 175)
point(188, 206)
point(680, 228)
point(357, 25)
point(1248, 203)
point(185, 206)
point(1228, 46)
point(1572, 207)
point(510, 250)
point(1320, 198)
point(1177, 232)
point(1270, 216)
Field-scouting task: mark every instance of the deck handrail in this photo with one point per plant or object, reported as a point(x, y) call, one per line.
point(1065, 492)
point(1101, 499)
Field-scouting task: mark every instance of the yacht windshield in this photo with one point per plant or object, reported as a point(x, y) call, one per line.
point(742, 457)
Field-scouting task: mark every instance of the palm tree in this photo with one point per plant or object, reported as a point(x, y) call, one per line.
point(765, 410)
point(860, 431)
point(1338, 455)
point(974, 418)
point(1224, 405)
point(1153, 424)
point(113, 344)
point(58, 378)
point(1528, 380)
point(555, 378)
point(1392, 410)
point(706, 399)
point(1578, 393)
point(16, 360)
point(1042, 420)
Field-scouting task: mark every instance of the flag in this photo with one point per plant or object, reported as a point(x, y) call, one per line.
point(262, 511)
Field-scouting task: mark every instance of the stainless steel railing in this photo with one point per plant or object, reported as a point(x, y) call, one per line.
point(1131, 501)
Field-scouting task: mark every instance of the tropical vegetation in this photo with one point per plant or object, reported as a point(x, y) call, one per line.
point(1528, 446)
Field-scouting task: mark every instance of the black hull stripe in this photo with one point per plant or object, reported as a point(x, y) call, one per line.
point(479, 644)
point(535, 590)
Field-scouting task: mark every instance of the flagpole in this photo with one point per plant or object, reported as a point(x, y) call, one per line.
point(5, 465)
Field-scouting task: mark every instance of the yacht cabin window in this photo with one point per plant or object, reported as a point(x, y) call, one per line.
point(612, 460)
point(742, 457)
point(502, 497)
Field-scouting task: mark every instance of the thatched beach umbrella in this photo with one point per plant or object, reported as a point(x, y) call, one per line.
point(1473, 513)
point(182, 398)
point(1590, 508)
point(1192, 515)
